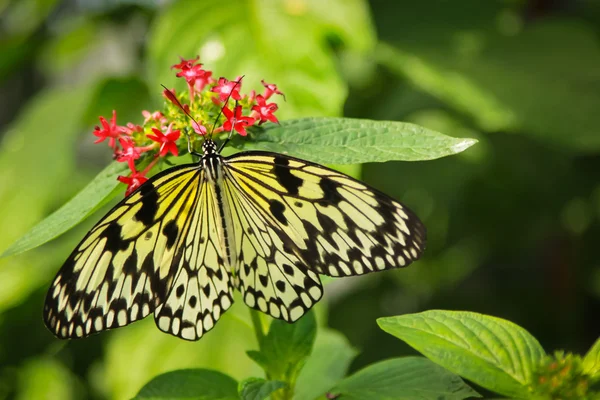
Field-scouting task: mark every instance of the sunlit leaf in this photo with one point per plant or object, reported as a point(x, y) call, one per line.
point(494, 353)
point(354, 141)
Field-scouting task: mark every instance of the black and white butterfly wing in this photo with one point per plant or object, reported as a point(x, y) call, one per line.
point(146, 255)
point(313, 220)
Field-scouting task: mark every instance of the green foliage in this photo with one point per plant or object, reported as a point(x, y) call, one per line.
point(561, 376)
point(284, 349)
point(254, 39)
point(513, 222)
point(591, 361)
point(491, 352)
point(495, 354)
point(354, 141)
point(199, 384)
point(326, 366)
point(258, 389)
point(405, 378)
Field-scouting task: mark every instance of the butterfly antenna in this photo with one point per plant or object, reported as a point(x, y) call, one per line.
point(238, 82)
point(174, 98)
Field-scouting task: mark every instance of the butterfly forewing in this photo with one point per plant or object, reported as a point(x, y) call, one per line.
point(335, 224)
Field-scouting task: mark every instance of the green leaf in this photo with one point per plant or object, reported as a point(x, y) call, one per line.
point(97, 193)
point(258, 388)
point(591, 361)
point(353, 141)
point(327, 365)
point(284, 350)
point(197, 384)
point(410, 378)
point(237, 37)
point(489, 351)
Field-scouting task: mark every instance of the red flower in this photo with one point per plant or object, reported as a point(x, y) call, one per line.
point(129, 154)
point(202, 81)
point(236, 121)
point(225, 88)
point(167, 140)
point(265, 110)
point(270, 89)
point(134, 181)
point(109, 131)
point(185, 64)
point(191, 75)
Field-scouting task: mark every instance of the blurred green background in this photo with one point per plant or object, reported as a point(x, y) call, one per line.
point(513, 222)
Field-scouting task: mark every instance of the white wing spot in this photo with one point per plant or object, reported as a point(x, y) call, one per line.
point(296, 313)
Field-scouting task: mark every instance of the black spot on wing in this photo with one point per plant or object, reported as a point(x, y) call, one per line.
point(277, 208)
point(285, 177)
point(149, 207)
point(264, 279)
point(130, 265)
point(280, 286)
point(170, 231)
point(330, 194)
point(114, 242)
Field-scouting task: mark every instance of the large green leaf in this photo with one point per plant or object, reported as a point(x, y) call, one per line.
point(407, 378)
point(353, 141)
point(281, 42)
point(186, 384)
point(489, 351)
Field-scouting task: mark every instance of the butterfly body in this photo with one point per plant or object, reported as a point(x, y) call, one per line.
point(263, 223)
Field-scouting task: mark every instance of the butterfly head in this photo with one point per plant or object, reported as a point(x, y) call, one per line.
point(209, 147)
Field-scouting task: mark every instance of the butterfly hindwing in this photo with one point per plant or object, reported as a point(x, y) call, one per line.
point(270, 275)
point(202, 289)
point(126, 265)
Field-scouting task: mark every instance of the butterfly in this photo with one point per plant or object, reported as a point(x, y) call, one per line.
point(263, 223)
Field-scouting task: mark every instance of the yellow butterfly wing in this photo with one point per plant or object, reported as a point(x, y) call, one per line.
point(146, 255)
point(312, 220)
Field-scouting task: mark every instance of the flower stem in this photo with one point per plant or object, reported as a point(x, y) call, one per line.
point(258, 327)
